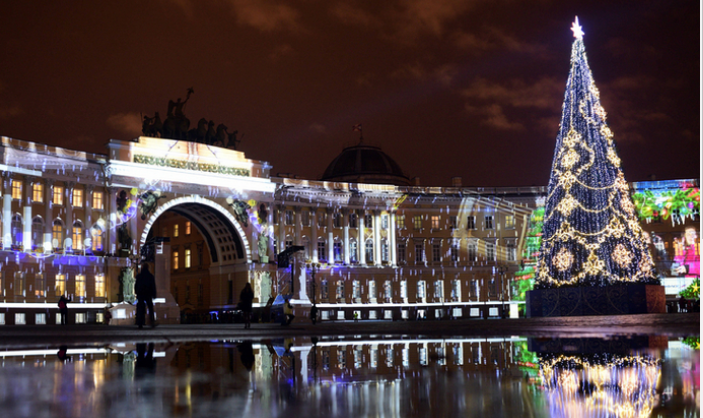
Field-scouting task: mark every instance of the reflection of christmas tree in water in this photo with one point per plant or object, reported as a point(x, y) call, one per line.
point(591, 233)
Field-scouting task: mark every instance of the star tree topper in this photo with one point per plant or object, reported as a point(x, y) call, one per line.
point(576, 28)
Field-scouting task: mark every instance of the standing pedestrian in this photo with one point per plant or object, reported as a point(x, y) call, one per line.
point(313, 314)
point(63, 308)
point(145, 289)
point(246, 297)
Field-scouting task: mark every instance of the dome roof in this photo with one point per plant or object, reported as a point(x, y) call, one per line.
point(365, 164)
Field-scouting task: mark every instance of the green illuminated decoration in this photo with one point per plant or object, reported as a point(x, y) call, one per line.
point(677, 205)
point(693, 291)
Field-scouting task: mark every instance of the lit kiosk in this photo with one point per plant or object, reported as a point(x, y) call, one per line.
point(594, 260)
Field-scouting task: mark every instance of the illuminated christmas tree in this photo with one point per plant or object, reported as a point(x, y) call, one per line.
point(591, 235)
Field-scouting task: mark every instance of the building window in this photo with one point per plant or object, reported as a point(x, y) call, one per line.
point(436, 252)
point(384, 221)
point(456, 290)
point(58, 195)
point(473, 250)
point(421, 289)
point(60, 285)
point(387, 290)
point(372, 290)
point(369, 251)
point(175, 231)
point(187, 258)
point(340, 289)
point(452, 222)
point(337, 249)
point(353, 220)
point(100, 285)
point(80, 318)
point(188, 226)
point(40, 319)
point(400, 221)
point(488, 222)
point(470, 222)
point(337, 220)
point(490, 251)
point(510, 222)
point(20, 319)
point(439, 290)
point(77, 236)
point(435, 221)
point(356, 289)
point(404, 289)
point(321, 218)
point(37, 192)
point(16, 189)
point(417, 222)
point(401, 253)
point(455, 251)
point(37, 231)
point(289, 243)
point(19, 284)
point(419, 254)
point(16, 229)
point(368, 221)
point(39, 285)
point(324, 289)
point(384, 250)
point(289, 217)
point(305, 218)
point(80, 285)
point(353, 254)
point(322, 251)
point(97, 238)
point(98, 203)
point(511, 252)
point(175, 258)
point(77, 200)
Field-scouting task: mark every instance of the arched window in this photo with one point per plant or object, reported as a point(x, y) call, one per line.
point(57, 234)
point(96, 238)
point(37, 231)
point(16, 229)
point(77, 236)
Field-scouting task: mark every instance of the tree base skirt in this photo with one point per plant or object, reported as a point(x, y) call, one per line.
point(622, 299)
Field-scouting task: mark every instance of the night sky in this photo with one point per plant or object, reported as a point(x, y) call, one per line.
point(445, 87)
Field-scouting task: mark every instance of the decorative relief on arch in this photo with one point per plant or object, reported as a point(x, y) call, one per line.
point(201, 201)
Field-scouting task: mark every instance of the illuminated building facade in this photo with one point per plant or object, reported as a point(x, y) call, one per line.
point(209, 220)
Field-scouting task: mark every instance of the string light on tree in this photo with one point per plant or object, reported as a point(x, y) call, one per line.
point(591, 234)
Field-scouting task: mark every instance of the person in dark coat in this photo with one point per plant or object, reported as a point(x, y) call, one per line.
point(145, 289)
point(63, 308)
point(246, 297)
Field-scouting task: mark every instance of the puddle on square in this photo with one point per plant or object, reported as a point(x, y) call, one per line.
point(374, 376)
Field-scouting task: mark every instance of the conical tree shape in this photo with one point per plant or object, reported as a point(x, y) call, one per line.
point(591, 234)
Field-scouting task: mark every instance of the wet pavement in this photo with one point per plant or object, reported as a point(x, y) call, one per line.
point(661, 324)
point(629, 366)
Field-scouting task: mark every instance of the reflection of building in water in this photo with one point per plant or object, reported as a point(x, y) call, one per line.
point(356, 377)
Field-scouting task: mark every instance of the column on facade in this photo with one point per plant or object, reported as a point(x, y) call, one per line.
point(7, 211)
point(111, 220)
point(313, 238)
point(377, 237)
point(27, 213)
point(361, 243)
point(281, 229)
point(298, 239)
point(330, 236)
point(345, 223)
point(48, 214)
point(392, 248)
point(68, 201)
point(87, 217)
